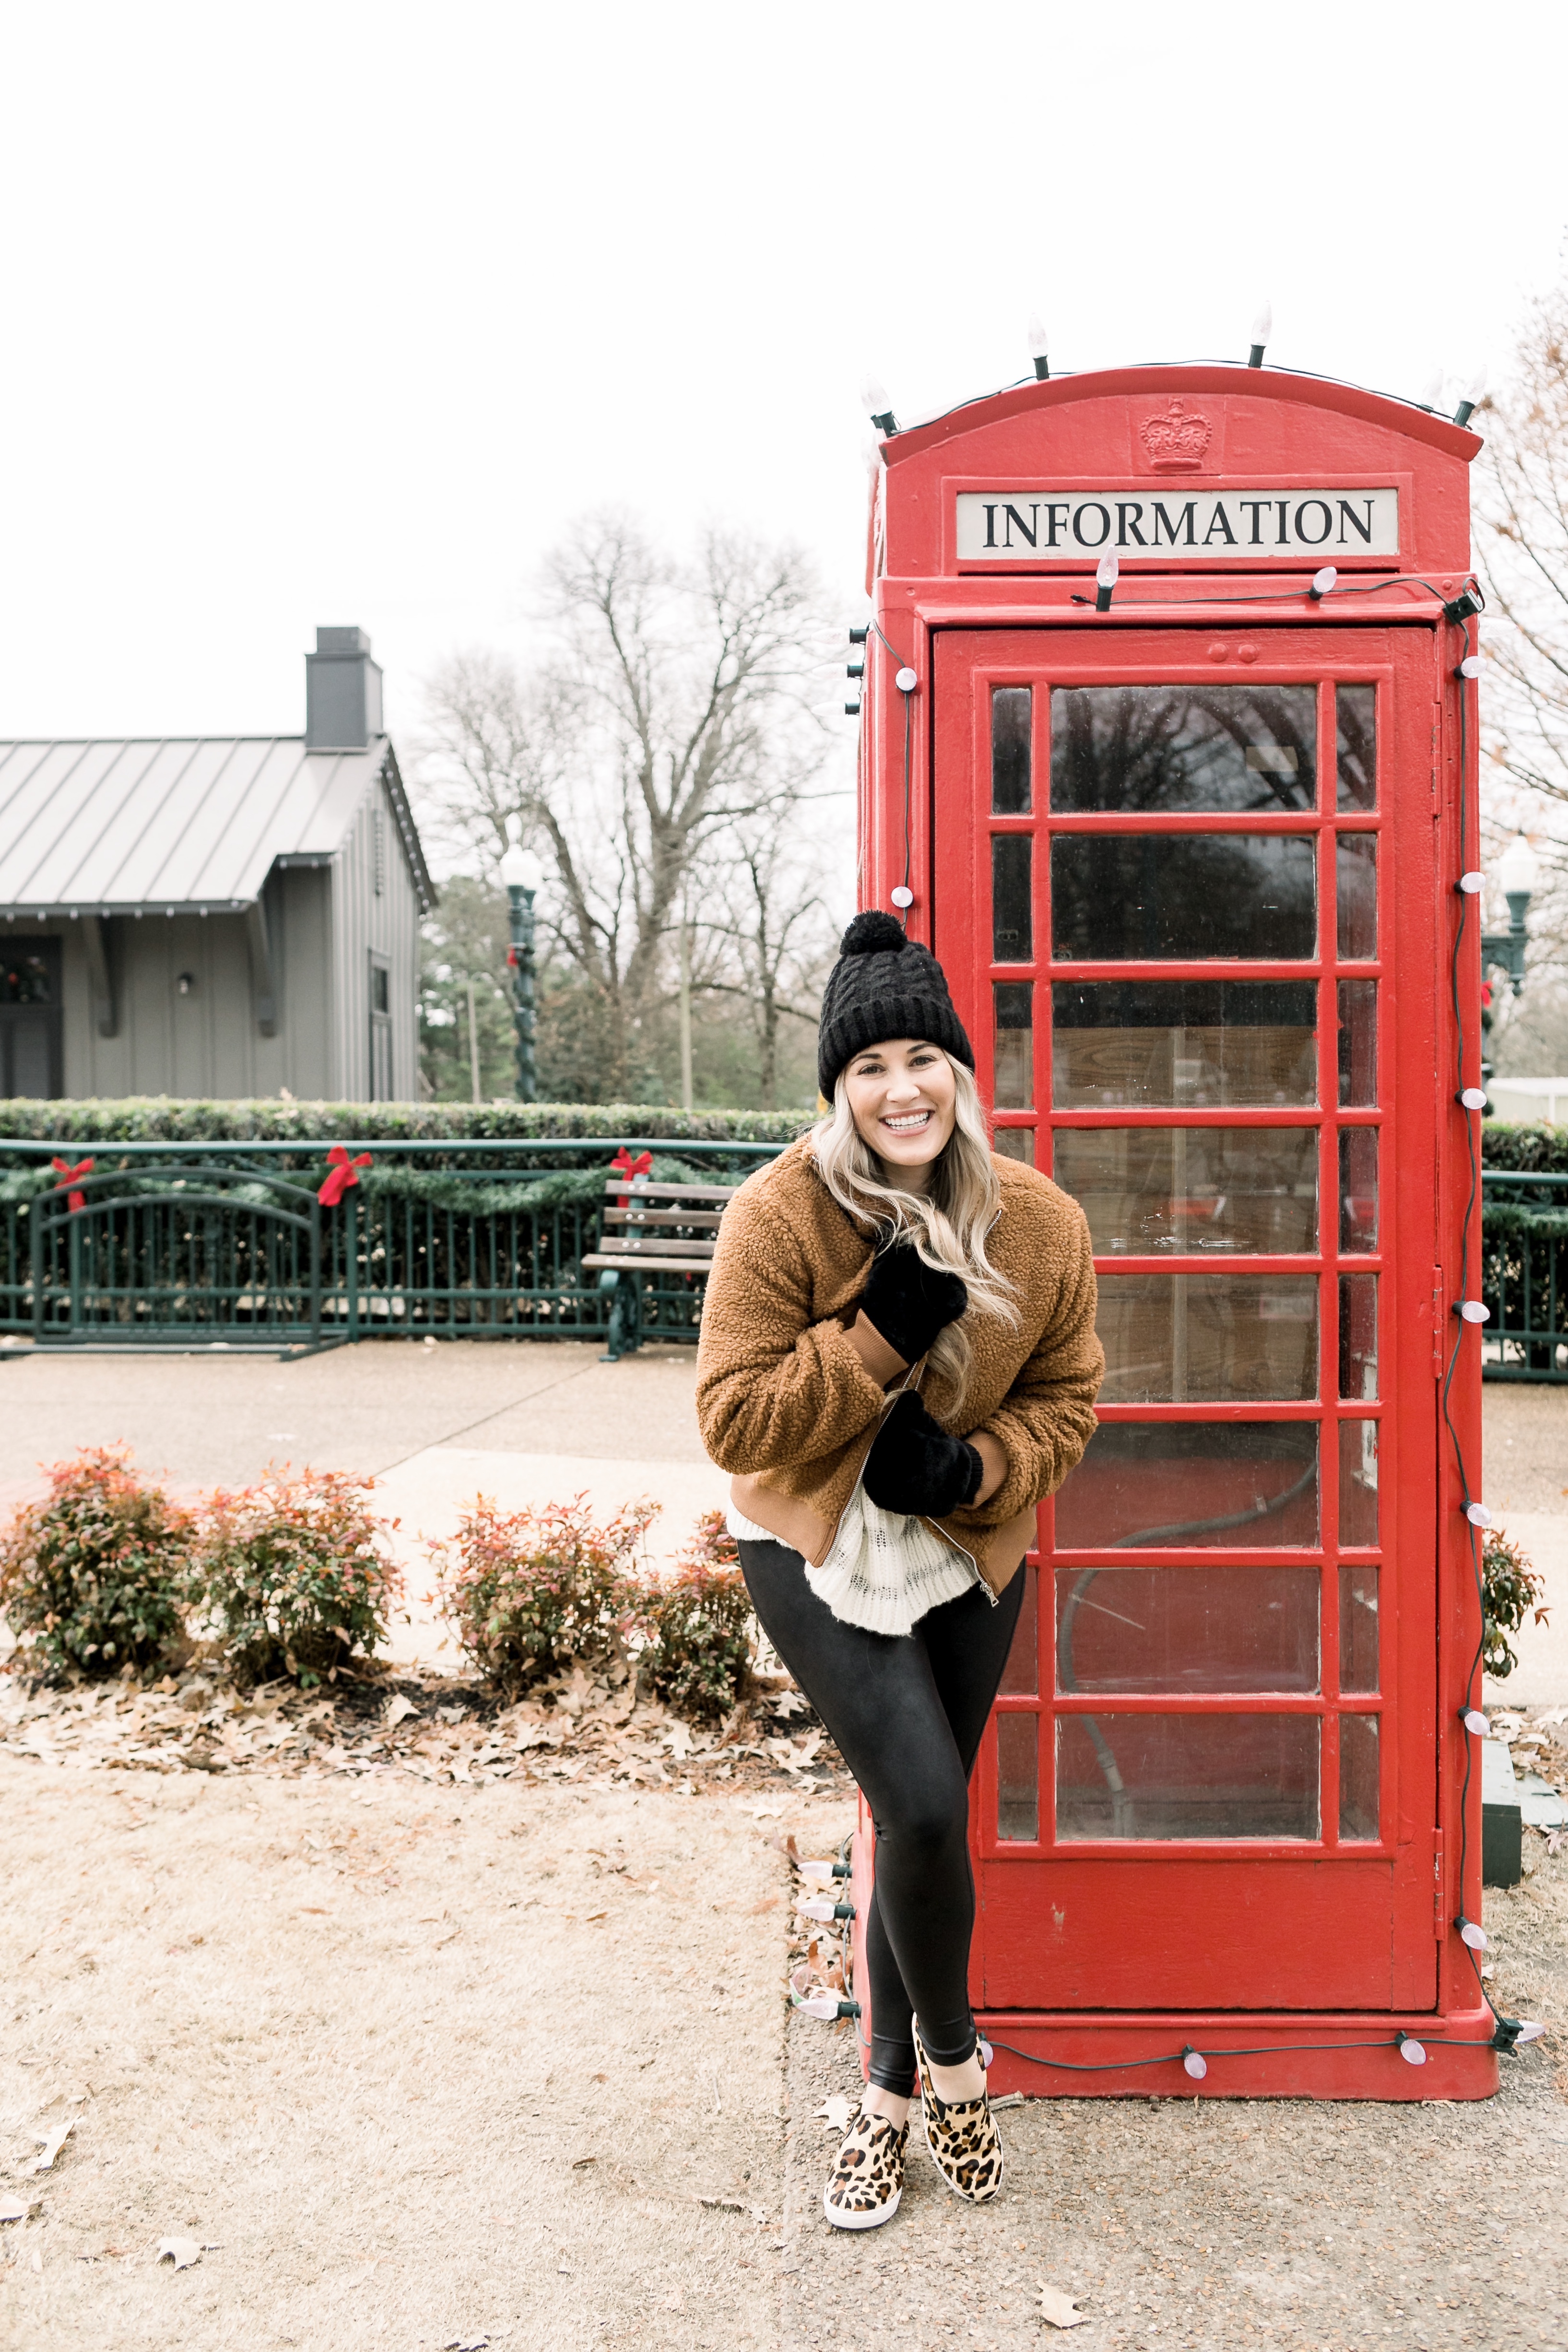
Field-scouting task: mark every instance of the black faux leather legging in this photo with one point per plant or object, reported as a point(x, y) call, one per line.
point(907, 1715)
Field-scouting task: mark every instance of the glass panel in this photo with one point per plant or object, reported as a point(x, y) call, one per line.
point(1187, 1629)
point(23, 977)
point(1358, 1190)
point(1358, 1778)
point(1150, 1189)
point(1200, 1484)
point(1012, 922)
point(1160, 1043)
point(1358, 1338)
point(1015, 1143)
point(1358, 1482)
point(1357, 747)
point(1358, 1043)
point(1022, 1671)
point(1010, 708)
point(1358, 1626)
point(1014, 1003)
point(1186, 1776)
point(1189, 1339)
point(1143, 896)
point(1138, 748)
point(1017, 1779)
point(1355, 869)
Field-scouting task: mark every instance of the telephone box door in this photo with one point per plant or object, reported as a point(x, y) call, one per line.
point(1186, 892)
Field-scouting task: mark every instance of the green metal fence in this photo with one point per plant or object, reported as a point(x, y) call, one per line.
point(181, 1246)
point(1524, 1275)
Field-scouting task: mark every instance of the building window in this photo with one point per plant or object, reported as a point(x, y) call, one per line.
point(31, 1030)
point(380, 1029)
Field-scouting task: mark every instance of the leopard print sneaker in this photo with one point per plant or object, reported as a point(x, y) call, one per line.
point(868, 2177)
point(965, 2143)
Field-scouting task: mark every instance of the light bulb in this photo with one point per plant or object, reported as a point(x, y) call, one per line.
point(906, 681)
point(821, 1871)
point(1322, 582)
point(1194, 2063)
point(1263, 325)
point(1476, 1938)
point(1474, 1310)
point(1039, 346)
point(1474, 1720)
point(1474, 1098)
point(1516, 869)
point(874, 396)
point(901, 895)
point(1107, 571)
point(820, 1907)
point(1470, 884)
point(1411, 2051)
point(984, 2051)
point(1478, 1514)
point(823, 2006)
point(1475, 391)
point(1528, 2030)
point(1471, 666)
point(1432, 390)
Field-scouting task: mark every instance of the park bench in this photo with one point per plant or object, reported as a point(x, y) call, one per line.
point(650, 1228)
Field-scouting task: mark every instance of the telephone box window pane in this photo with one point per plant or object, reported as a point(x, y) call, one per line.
point(1186, 1776)
point(1011, 920)
point(1021, 1675)
point(1357, 747)
point(1358, 1626)
point(1015, 1008)
point(1163, 1043)
point(1010, 761)
point(1126, 897)
point(1358, 1043)
point(1015, 1143)
point(1358, 1778)
point(1184, 747)
point(1146, 1190)
point(1187, 1629)
point(1358, 1338)
point(1355, 869)
point(1203, 1484)
point(1358, 1482)
point(1017, 1779)
point(1198, 1339)
point(1358, 1189)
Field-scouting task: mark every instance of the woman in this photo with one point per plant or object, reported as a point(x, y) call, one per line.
point(882, 1536)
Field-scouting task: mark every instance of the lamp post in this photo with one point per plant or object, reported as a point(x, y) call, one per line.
point(1504, 950)
point(522, 874)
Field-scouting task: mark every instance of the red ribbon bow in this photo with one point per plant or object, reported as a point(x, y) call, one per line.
point(342, 1172)
point(622, 1164)
point(74, 1201)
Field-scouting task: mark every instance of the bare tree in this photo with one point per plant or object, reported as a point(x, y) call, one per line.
point(677, 701)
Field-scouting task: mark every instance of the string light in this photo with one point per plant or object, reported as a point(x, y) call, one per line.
point(1470, 1933)
point(1413, 2053)
point(1194, 2063)
point(1472, 397)
point(901, 895)
point(1469, 667)
point(1474, 1720)
point(1472, 1097)
point(1107, 573)
point(1262, 329)
point(1473, 1310)
point(878, 408)
point(1471, 883)
point(821, 1909)
point(1323, 582)
point(906, 681)
point(1478, 1514)
point(1432, 390)
point(1039, 346)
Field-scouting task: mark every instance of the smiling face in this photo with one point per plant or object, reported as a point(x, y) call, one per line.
point(904, 1099)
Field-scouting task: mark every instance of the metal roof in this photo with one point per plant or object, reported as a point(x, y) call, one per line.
point(185, 823)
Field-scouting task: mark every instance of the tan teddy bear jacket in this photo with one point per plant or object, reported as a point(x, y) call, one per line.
point(784, 1402)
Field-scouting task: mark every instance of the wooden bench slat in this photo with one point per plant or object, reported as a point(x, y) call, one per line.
point(596, 1259)
point(632, 1245)
point(703, 1218)
point(646, 1192)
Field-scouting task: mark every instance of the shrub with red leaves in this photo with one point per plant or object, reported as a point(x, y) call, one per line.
point(697, 1625)
point(294, 1575)
point(530, 1592)
point(96, 1579)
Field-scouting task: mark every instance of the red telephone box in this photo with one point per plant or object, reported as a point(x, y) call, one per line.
point(1191, 864)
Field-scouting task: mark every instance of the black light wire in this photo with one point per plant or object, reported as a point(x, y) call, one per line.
point(908, 755)
point(1507, 2029)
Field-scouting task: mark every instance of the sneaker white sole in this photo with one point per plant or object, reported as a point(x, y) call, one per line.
point(842, 2219)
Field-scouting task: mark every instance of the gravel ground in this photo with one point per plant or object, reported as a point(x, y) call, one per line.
point(1214, 2223)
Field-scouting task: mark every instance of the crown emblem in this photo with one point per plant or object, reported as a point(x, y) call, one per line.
point(1176, 441)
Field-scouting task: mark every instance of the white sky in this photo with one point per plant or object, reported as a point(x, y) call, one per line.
point(342, 313)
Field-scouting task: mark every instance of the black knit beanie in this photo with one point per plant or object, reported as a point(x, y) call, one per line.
point(884, 985)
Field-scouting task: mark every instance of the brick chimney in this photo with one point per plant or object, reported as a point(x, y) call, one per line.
point(342, 692)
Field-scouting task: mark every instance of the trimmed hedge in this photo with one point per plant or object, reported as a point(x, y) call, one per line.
point(1533, 1149)
point(163, 1118)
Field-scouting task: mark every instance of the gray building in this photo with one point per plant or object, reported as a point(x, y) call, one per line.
point(215, 916)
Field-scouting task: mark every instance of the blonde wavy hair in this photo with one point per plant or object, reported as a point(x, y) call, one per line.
point(948, 1224)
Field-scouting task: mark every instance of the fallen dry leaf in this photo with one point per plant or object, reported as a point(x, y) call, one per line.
point(396, 1708)
point(12, 2209)
point(1059, 2309)
point(180, 2252)
point(835, 2113)
point(52, 2146)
